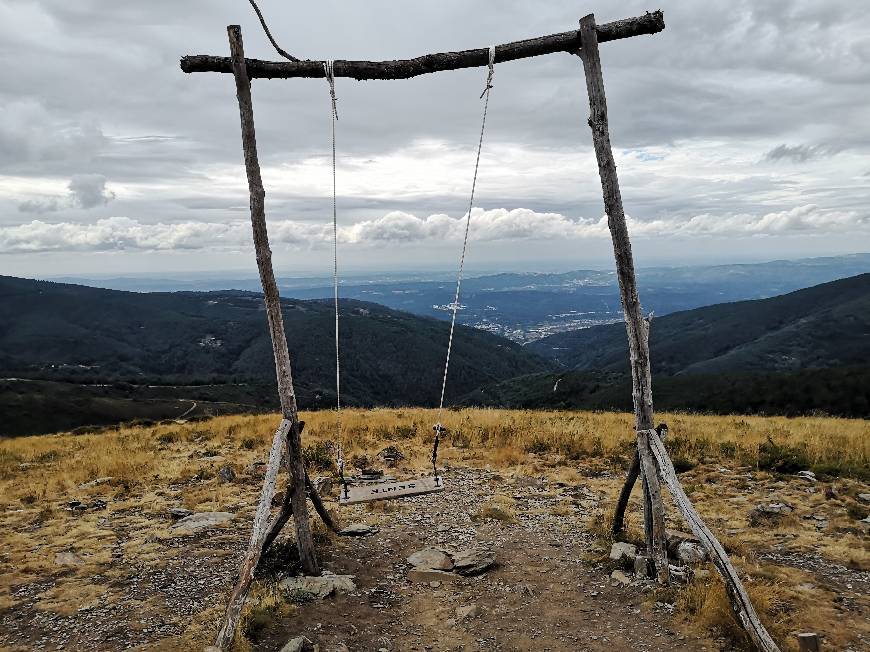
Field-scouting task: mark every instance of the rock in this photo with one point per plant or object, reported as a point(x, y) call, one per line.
point(96, 482)
point(68, 559)
point(226, 474)
point(806, 475)
point(678, 573)
point(391, 456)
point(98, 504)
point(864, 498)
point(641, 566)
point(691, 554)
point(770, 512)
point(620, 577)
point(201, 521)
point(467, 613)
point(358, 530)
point(623, 553)
point(434, 585)
point(177, 513)
point(529, 483)
point(675, 538)
point(473, 562)
point(257, 468)
point(323, 485)
point(427, 575)
point(431, 558)
point(318, 586)
point(298, 644)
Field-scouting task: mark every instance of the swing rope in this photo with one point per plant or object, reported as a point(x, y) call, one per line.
point(438, 428)
point(330, 78)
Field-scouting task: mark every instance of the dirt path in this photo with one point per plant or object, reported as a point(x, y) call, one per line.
point(543, 595)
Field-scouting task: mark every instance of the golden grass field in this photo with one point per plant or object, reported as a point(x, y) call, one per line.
point(38, 475)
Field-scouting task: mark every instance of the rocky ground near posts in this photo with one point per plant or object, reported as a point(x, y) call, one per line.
point(434, 576)
point(502, 560)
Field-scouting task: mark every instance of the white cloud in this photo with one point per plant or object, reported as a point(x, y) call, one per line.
point(518, 224)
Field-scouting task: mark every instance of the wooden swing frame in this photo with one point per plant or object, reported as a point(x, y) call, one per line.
point(651, 461)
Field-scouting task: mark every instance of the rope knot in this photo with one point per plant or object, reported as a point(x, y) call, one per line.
point(329, 73)
point(491, 71)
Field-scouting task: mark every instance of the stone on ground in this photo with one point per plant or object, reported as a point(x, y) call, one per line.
point(691, 554)
point(770, 512)
point(201, 521)
point(298, 644)
point(624, 553)
point(620, 577)
point(68, 559)
point(431, 558)
point(674, 538)
point(427, 575)
point(318, 586)
point(641, 566)
point(227, 474)
point(864, 498)
point(467, 613)
point(473, 562)
point(179, 512)
point(358, 530)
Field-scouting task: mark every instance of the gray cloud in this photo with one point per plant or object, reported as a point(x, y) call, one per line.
point(89, 190)
point(39, 206)
point(799, 153)
point(723, 96)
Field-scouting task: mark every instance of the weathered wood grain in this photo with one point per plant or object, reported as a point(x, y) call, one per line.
point(390, 490)
point(258, 533)
point(287, 436)
point(649, 23)
point(656, 538)
point(740, 602)
point(635, 325)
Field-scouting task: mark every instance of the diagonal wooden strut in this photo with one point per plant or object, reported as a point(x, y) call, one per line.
point(649, 23)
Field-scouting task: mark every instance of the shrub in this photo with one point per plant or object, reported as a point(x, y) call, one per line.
point(318, 456)
point(782, 458)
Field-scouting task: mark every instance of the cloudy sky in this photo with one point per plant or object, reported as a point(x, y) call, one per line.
point(741, 132)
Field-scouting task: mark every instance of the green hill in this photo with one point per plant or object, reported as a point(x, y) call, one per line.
point(823, 326)
point(88, 336)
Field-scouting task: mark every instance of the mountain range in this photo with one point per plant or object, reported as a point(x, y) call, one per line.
point(72, 355)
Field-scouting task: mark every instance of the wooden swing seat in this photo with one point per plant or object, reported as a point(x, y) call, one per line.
point(388, 490)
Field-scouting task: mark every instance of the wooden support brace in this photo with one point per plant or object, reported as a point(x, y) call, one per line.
point(654, 512)
point(649, 23)
point(740, 602)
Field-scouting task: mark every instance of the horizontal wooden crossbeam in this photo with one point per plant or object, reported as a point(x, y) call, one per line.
point(649, 23)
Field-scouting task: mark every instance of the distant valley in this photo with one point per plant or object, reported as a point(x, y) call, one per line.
point(525, 307)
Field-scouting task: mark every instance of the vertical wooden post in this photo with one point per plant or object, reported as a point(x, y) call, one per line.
point(636, 327)
point(288, 435)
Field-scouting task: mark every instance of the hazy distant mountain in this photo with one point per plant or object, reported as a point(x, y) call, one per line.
point(528, 306)
point(824, 326)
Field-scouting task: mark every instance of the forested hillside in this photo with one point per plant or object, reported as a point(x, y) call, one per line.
point(52, 331)
point(823, 326)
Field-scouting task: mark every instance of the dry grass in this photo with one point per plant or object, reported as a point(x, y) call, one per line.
point(730, 465)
